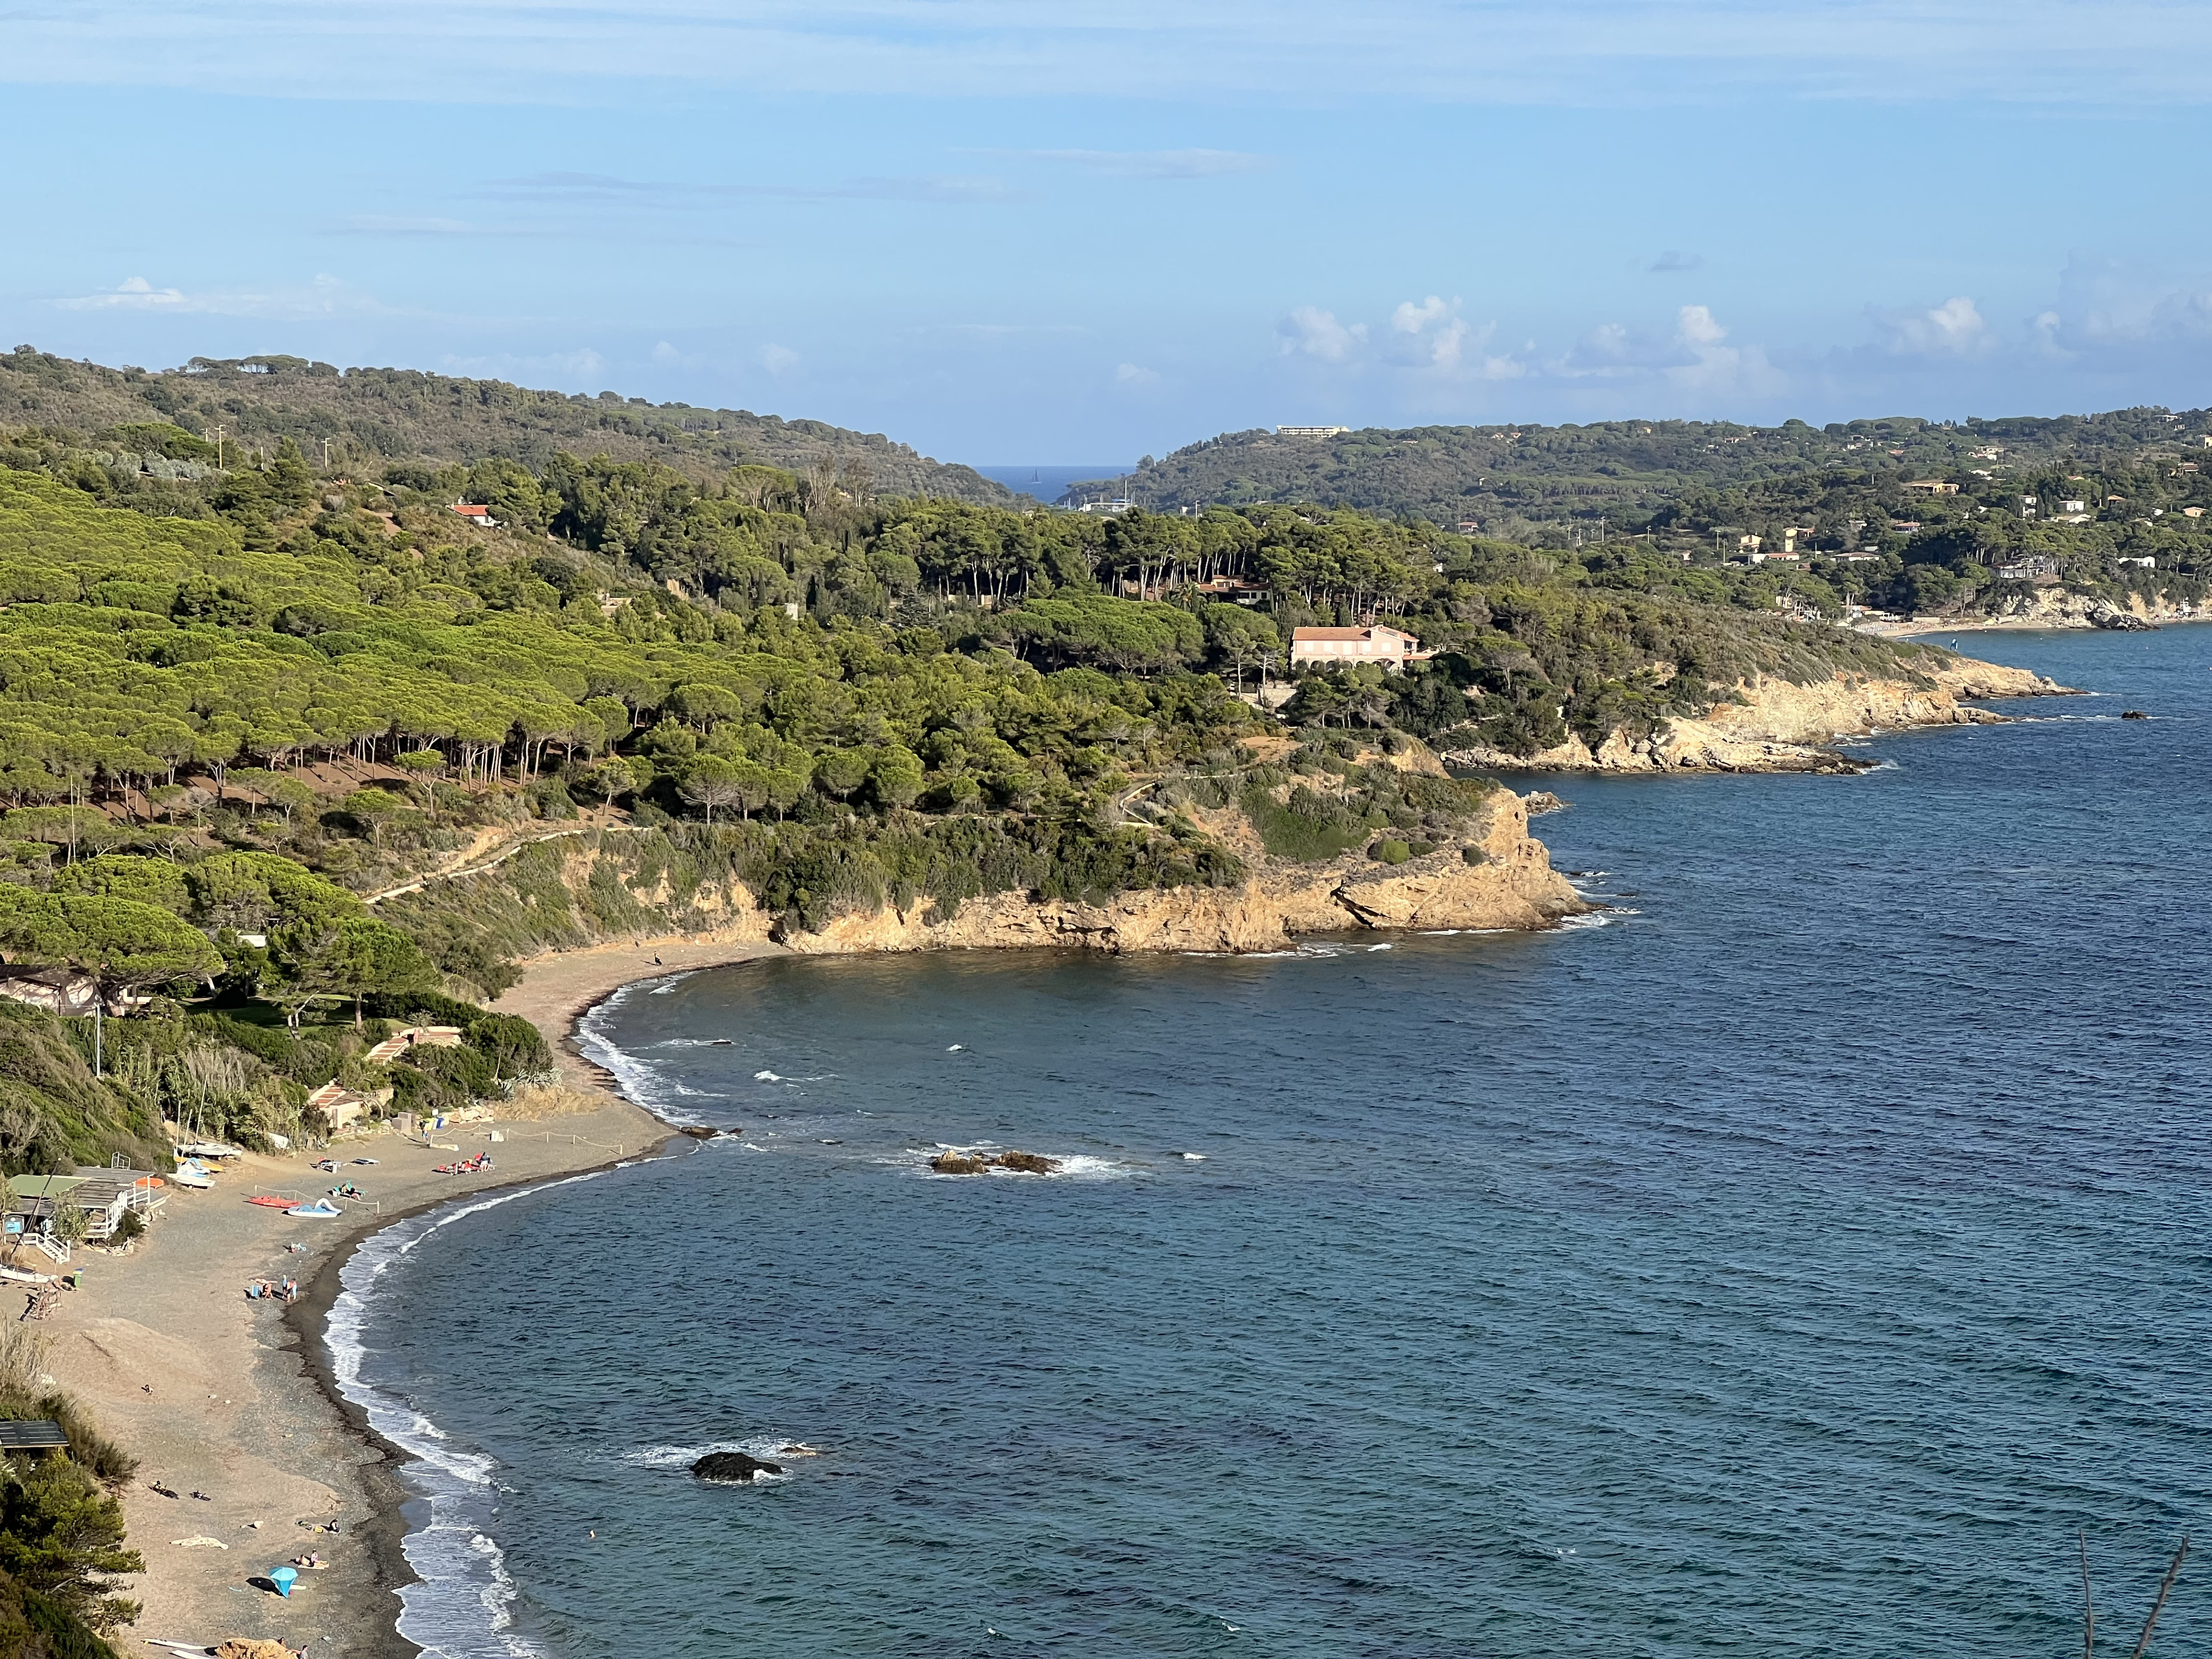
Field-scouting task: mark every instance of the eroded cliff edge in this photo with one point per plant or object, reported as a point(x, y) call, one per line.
point(1770, 725)
point(1514, 887)
point(600, 887)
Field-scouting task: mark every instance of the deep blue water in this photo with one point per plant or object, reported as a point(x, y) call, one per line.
point(1790, 1266)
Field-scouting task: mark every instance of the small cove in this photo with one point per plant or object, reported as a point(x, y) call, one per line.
point(1790, 1264)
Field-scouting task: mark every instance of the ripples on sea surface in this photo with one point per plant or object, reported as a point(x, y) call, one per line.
point(1791, 1265)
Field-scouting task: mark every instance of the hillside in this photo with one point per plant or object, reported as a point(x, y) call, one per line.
point(374, 417)
point(1624, 470)
point(2081, 517)
point(643, 702)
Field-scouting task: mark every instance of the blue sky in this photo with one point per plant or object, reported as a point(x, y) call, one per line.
point(1013, 231)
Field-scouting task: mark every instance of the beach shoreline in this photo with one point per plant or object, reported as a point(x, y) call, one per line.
point(555, 992)
point(216, 1396)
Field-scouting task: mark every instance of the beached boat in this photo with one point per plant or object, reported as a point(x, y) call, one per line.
point(198, 1179)
point(322, 1209)
point(272, 1200)
point(210, 1149)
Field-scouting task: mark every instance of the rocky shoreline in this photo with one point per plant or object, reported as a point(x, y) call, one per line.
point(1774, 726)
point(1512, 887)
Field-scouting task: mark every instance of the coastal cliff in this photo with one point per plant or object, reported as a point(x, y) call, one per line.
point(598, 888)
point(1514, 887)
point(1772, 725)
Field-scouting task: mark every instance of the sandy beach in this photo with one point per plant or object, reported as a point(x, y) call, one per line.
point(220, 1396)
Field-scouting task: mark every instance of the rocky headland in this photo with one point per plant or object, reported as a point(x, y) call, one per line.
point(1512, 887)
point(1770, 725)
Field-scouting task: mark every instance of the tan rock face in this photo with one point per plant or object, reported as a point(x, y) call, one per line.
point(1515, 887)
point(1771, 725)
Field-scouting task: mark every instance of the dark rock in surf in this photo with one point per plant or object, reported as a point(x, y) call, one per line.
point(958, 1164)
point(1028, 1162)
point(732, 1465)
point(2133, 714)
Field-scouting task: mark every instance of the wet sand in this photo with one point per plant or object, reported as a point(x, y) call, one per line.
point(217, 1394)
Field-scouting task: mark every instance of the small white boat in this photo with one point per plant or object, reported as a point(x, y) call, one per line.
point(189, 1173)
point(210, 1149)
point(322, 1210)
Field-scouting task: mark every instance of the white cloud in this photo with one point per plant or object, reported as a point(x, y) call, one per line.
point(325, 296)
point(1130, 375)
point(778, 360)
point(1316, 333)
point(1435, 334)
point(1427, 337)
point(1695, 326)
point(1695, 359)
point(1954, 329)
point(131, 293)
point(1715, 369)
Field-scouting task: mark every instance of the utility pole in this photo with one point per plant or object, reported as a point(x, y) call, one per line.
point(326, 455)
point(218, 449)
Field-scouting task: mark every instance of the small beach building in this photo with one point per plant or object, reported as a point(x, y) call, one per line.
point(104, 1196)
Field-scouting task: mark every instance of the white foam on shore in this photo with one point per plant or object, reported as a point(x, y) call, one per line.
point(462, 1605)
point(1323, 950)
point(638, 1080)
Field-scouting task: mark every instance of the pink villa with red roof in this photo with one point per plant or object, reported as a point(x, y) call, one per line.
point(1330, 647)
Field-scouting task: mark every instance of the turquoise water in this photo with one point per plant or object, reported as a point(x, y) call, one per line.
point(1790, 1265)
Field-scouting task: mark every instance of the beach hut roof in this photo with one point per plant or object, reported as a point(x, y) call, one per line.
point(42, 1435)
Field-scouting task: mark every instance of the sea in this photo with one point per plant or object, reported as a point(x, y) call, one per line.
point(1805, 1253)
point(1049, 483)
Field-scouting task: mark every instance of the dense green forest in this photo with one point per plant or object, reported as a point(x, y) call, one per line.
point(2094, 496)
point(372, 417)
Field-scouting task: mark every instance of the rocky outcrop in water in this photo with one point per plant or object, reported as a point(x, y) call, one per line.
point(951, 1162)
point(732, 1465)
point(2106, 614)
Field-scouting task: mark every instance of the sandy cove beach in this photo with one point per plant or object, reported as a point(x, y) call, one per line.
point(217, 1394)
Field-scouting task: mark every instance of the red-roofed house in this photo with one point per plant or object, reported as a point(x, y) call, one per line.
point(476, 514)
point(1339, 648)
